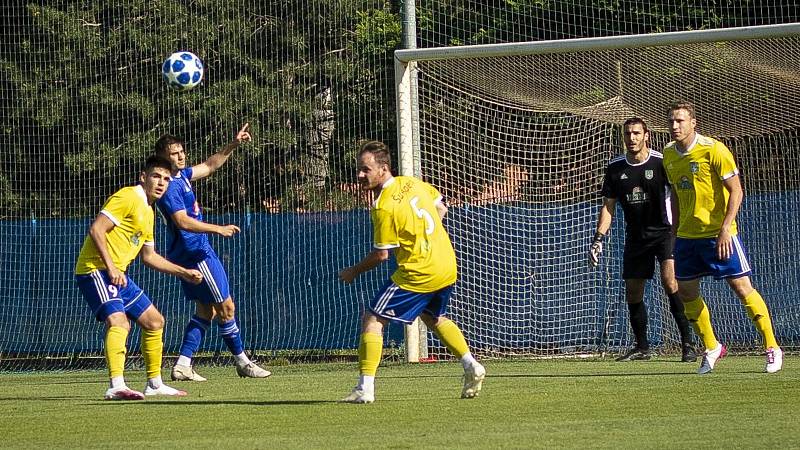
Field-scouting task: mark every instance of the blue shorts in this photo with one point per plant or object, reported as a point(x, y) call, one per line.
point(214, 287)
point(105, 298)
point(399, 305)
point(695, 258)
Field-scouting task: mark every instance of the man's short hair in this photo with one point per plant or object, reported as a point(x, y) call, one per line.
point(688, 106)
point(164, 142)
point(379, 150)
point(636, 121)
point(157, 161)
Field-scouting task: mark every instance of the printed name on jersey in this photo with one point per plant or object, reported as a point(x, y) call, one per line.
point(398, 197)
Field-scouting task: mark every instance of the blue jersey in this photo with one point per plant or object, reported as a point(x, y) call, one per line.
point(183, 247)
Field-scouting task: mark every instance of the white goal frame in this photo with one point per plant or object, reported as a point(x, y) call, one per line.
point(407, 108)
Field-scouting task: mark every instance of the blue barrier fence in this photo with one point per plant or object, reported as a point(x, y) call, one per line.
point(527, 292)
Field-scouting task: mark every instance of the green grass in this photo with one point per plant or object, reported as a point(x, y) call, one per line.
point(524, 404)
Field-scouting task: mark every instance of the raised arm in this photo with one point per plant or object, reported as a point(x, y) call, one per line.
point(216, 160)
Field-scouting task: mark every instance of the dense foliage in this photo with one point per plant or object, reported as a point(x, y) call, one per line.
point(82, 99)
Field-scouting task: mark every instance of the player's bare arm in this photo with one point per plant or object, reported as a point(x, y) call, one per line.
point(372, 260)
point(186, 223)
point(441, 208)
point(603, 224)
point(607, 210)
point(217, 160)
point(98, 230)
point(157, 262)
point(724, 241)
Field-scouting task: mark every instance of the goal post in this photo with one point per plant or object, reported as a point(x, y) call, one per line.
point(517, 136)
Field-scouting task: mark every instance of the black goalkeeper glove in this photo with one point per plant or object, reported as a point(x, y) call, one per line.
point(596, 249)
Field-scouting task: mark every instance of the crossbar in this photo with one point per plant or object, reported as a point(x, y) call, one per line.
point(599, 43)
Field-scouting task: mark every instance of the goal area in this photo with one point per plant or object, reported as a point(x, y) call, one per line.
point(517, 137)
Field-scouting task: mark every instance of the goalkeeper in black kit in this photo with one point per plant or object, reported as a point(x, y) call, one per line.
point(638, 182)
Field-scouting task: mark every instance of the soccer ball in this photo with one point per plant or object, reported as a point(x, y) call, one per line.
point(182, 70)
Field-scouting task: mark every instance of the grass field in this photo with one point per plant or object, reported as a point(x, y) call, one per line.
point(524, 404)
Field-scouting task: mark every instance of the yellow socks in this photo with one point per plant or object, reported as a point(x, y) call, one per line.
point(697, 313)
point(451, 336)
point(152, 351)
point(370, 350)
point(115, 350)
point(758, 313)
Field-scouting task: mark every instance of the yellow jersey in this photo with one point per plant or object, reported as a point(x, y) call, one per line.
point(133, 219)
point(404, 218)
point(697, 177)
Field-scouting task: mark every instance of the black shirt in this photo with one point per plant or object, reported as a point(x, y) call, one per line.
point(642, 190)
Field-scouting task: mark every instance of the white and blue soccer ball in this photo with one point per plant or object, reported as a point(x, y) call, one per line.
point(182, 71)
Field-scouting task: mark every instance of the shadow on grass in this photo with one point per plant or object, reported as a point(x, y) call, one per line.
point(228, 402)
point(175, 401)
point(46, 399)
point(490, 374)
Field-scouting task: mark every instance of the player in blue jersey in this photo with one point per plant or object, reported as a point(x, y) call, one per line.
point(636, 180)
point(189, 247)
point(407, 219)
point(123, 230)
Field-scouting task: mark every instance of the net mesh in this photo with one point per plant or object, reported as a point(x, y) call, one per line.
point(82, 102)
point(519, 146)
point(444, 24)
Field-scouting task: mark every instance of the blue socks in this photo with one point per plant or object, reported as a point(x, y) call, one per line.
point(232, 337)
point(193, 336)
point(196, 329)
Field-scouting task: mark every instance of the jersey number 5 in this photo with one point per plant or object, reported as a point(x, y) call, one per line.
point(423, 214)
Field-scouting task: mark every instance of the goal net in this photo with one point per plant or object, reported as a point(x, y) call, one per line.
point(517, 137)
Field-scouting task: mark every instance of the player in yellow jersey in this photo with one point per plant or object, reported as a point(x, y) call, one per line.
point(407, 218)
point(123, 228)
point(705, 180)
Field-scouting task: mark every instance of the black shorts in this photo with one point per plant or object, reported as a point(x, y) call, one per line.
point(639, 256)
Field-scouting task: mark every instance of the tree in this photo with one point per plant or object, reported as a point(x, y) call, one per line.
point(89, 102)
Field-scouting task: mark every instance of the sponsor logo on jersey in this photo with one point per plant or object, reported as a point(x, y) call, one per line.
point(637, 196)
point(684, 183)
